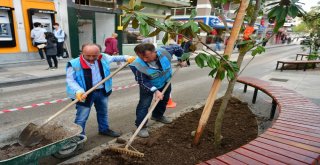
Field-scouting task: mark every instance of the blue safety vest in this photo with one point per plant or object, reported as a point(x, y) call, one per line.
point(158, 78)
point(80, 79)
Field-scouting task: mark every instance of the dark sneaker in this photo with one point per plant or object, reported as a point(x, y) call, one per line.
point(143, 133)
point(163, 120)
point(110, 133)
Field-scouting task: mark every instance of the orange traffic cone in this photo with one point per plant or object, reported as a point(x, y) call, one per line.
point(171, 103)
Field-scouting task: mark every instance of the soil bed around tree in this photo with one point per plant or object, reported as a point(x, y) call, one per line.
point(171, 144)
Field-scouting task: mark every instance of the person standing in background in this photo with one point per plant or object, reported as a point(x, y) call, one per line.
point(39, 38)
point(51, 50)
point(60, 35)
point(111, 45)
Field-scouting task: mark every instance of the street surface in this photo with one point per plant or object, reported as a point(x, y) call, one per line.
point(190, 86)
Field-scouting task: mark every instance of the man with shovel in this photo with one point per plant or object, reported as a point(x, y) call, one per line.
point(83, 73)
point(152, 70)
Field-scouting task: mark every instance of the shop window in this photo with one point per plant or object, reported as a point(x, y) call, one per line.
point(82, 2)
point(7, 36)
point(5, 29)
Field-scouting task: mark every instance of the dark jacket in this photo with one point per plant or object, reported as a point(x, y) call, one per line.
point(51, 48)
point(186, 46)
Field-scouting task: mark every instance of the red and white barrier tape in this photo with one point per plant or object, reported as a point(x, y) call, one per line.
point(57, 101)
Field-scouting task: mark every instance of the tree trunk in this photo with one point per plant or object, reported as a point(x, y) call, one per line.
point(217, 81)
point(229, 91)
point(224, 104)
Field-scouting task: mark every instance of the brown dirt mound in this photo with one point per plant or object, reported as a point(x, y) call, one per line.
point(171, 144)
point(54, 133)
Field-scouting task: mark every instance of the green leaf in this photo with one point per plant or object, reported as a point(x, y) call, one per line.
point(185, 56)
point(230, 74)
point(132, 4)
point(141, 20)
point(168, 17)
point(144, 29)
point(126, 19)
point(221, 75)
point(135, 23)
point(200, 59)
point(185, 26)
point(258, 50)
point(138, 7)
point(205, 27)
point(154, 33)
point(212, 61)
point(193, 13)
point(213, 71)
point(293, 11)
point(194, 27)
point(165, 38)
point(274, 11)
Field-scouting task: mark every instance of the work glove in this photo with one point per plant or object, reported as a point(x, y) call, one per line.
point(81, 96)
point(131, 59)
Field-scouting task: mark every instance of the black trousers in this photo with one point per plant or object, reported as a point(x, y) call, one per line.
point(40, 50)
point(145, 102)
point(55, 61)
point(60, 49)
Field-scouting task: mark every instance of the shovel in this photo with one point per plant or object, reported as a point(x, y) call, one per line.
point(33, 134)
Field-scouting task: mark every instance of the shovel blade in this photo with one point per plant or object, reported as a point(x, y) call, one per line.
point(30, 135)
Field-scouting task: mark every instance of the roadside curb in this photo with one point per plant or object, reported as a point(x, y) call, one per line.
point(85, 156)
point(61, 76)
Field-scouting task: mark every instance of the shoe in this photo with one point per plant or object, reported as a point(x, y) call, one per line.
point(110, 133)
point(43, 59)
point(60, 58)
point(52, 69)
point(48, 68)
point(143, 133)
point(163, 120)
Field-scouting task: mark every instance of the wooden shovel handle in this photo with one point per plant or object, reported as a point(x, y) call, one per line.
point(86, 93)
point(153, 106)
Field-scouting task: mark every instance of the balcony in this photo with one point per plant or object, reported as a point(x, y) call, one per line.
point(170, 3)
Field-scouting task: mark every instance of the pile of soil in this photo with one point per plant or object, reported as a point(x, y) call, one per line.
point(171, 144)
point(52, 134)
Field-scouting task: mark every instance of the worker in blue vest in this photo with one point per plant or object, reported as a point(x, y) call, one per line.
point(152, 70)
point(85, 72)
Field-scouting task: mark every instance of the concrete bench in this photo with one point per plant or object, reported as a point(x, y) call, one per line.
point(293, 138)
point(298, 63)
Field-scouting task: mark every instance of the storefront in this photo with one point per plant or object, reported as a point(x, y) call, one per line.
point(16, 22)
point(8, 38)
point(91, 24)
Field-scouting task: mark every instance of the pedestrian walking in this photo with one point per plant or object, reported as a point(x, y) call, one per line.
point(38, 37)
point(152, 70)
point(60, 35)
point(85, 72)
point(51, 50)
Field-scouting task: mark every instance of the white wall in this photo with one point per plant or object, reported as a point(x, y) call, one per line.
point(62, 17)
point(20, 22)
point(105, 26)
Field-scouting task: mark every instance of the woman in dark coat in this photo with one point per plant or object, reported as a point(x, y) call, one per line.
point(51, 50)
